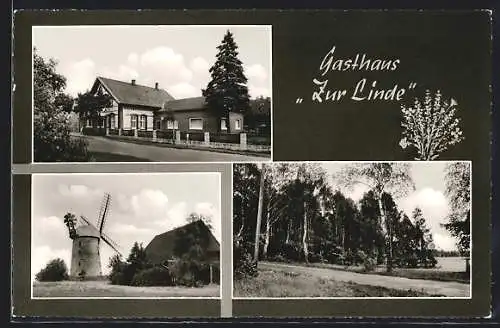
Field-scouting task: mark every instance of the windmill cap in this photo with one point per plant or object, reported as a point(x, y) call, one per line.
point(87, 231)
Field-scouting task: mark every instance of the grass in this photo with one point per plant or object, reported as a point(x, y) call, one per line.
point(104, 289)
point(112, 157)
point(271, 283)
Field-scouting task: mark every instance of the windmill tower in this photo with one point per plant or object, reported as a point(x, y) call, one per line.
point(85, 254)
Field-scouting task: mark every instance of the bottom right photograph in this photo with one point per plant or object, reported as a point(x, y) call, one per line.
point(352, 229)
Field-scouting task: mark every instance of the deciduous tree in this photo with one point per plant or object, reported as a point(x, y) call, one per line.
point(393, 178)
point(457, 180)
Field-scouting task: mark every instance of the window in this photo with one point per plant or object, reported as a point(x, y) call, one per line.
point(195, 124)
point(223, 125)
point(172, 125)
point(133, 121)
point(88, 123)
point(113, 121)
point(142, 122)
point(157, 125)
point(237, 125)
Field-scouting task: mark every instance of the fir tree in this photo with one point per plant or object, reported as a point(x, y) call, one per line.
point(227, 91)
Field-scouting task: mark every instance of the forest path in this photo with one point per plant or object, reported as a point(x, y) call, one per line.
point(432, 287)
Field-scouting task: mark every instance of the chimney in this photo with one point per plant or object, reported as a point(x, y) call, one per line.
point(156, 85)
point(133, 82)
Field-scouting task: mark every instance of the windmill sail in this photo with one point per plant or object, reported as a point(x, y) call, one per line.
point(103, 211)
point(111, 243)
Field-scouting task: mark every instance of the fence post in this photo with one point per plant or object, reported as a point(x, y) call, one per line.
point(136, 133)
point(206, 138)
point(154, 135)
point(187, 138)
point(243, 141)
point(177, 136)
point(120, 131)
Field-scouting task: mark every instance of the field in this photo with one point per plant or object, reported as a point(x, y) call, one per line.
point(82, 289)
point(326, 280)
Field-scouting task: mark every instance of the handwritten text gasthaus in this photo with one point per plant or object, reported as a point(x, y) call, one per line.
point(364, 90)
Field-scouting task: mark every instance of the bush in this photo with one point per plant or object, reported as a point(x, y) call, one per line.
point(52, 139)
point(278, 258)
point(369, 262)
point(188, 273)
point(90, 131)
point(155, 276)
point(55, 270)
point(245, 266)
point(225, 138)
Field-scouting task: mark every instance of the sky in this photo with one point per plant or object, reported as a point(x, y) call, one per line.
point(428, 196)
point(142, 206)
point(177, 57)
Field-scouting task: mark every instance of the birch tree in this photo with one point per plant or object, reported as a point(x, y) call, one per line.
point(458, 190)
point(430, 126)
point(393, 178)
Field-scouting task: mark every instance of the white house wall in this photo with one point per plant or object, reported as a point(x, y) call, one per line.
point(129, 111)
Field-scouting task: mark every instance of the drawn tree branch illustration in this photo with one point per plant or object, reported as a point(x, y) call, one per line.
point(430, 126)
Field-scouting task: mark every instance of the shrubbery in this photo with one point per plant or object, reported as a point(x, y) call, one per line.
point(155, 276)
point(52, 126)
point(243, 263)
point(55, 270)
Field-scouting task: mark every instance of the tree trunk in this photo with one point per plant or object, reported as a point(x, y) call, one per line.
point(268, 233)
point(384, 230)
point(259, 215)
point(304, 236)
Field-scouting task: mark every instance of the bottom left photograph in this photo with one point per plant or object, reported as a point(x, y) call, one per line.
point(126, 235)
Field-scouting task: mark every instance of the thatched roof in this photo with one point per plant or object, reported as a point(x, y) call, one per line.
point(161, 248)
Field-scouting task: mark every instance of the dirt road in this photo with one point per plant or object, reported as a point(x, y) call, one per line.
point(164, 154)
point(451, 289)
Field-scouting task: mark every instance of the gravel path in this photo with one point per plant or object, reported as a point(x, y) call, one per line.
point(450, 289)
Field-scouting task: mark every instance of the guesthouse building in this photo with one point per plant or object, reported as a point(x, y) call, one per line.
point(144, 108)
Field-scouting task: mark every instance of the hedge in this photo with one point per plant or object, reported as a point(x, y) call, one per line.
point(90, 131)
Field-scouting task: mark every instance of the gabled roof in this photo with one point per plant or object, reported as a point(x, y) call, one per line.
point(258, 106)
point(161, 248)
point(194, 103)
point(127, 93)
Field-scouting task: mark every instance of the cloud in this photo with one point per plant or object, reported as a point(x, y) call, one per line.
point(167, 64)
point(133, 58)
point(123, 73)
point(176, 216)
point(41, 255)
point(149, 203)
point(212, 214)
point(256, 91)
point(256, 72)
point(435, 208)
point(78, 191)
point(184, 90)
point(81, 75)
point(199, 65)
point(433, 204)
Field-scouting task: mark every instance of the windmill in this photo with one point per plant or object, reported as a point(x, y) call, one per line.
point(85, 254)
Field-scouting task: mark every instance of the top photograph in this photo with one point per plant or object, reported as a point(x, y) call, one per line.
point(152, 93)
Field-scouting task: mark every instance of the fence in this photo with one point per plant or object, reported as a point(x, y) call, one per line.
point(236, 142)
